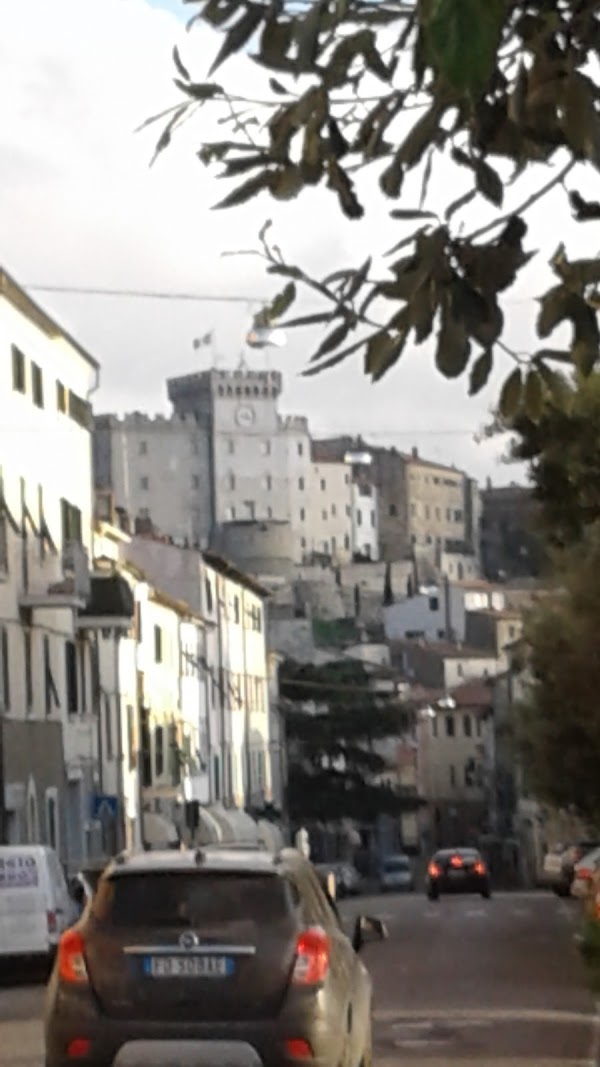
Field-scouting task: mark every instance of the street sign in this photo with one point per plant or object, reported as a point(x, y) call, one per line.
point(104, 806)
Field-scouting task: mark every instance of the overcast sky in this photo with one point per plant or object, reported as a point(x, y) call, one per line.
point(79, 205)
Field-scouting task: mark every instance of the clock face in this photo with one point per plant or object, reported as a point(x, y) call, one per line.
point(244, 415)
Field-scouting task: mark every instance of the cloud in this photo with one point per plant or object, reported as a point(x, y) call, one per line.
point(80, 205)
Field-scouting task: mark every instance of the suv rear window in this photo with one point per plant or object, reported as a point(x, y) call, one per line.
point(183, 899)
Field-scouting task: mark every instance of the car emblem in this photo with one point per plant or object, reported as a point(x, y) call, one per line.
point(189, 940)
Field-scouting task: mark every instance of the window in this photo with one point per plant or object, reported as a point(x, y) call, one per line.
point(359, 517)
point(427, 511)
point(195, 481)
point(231, 481)
point(208, 593)
point(348, 510)
point(61, 397)
point(467, 725)
point(301, 484)
point(458, 515)
point(71, 522)
point(323, 485)
point(449, 725)
point(144, 483)
point(4, 670)
point(511, 629)
point(266, 448)
point(80, 411)
point(158, 645)
point(393, 510)
point(18, 370)
point(37, 385)
point(52, 824)
point(302, 542)
point(108, 730)
point(82, 651)
point(51, 693)
point(452, 776)
point(268, 482)
point(269, 512)
point(434, 603)
point(159, 751)
point(4, 545)
point(373, 519)
point(300, 448)
point(459, 670)
point(324, 514)
point(230, 447)
point(434, 726)
point(28, 670)
point(143, 448)
point(302, 514)
point(236, 610)
point(347, 542)
point(131, 739)
point(333, 544)
point(333, 511)
point(71, 677)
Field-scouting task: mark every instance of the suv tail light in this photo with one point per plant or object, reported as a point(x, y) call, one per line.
point(71, 958)
point(51, 921)
point(433, 870)
point(480, 868)
point(312, 957)
point(456, 862)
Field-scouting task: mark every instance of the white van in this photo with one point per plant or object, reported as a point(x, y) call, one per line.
point(35, 905)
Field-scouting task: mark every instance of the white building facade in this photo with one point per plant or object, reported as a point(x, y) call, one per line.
point(48, 748)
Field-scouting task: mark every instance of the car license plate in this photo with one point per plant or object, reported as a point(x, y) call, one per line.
point(456, 875)
point(188, 966)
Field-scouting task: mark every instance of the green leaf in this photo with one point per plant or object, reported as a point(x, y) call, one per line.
point(511, 394)
point(534, 394)
point(453, 347)
point(392, 178)
point(282, 302)
point(246, 191)
point(239, 35)
point(382, 352)
point(489, 183)
point(554, 382)
point(420, 137)
point(401, 213)
point(480, 372)
point(333, 339)
point(286, 183)
point(584, 210)
point(277, 87)
point(180, 66)
point(200, 90)
point(275, 42)
point(307, 36)
point(463, 38)
point(344, 187)
point(165, 138)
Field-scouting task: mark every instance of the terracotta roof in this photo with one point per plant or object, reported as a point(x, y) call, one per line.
point(476, 693)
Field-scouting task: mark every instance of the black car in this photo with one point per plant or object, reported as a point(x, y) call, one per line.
point(457, 870)
point(178, 951)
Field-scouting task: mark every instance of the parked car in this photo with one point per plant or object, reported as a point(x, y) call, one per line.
point(35, 904)
point(559, 865)
point(348, 880)
point(584, 873)
point(184, 950)
point(457, 870)
point(396, 874)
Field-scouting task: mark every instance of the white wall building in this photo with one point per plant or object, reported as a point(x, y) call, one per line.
point(48, 734)
point(439, 612)
point(329, 511)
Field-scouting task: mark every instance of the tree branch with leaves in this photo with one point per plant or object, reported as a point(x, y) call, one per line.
point(499, 90)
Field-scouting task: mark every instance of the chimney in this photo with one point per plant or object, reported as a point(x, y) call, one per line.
point(415, 452)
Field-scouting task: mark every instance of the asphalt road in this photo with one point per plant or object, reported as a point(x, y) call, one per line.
point(460, 983)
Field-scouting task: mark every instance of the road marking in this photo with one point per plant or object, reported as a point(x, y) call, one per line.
point(492, 1015)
